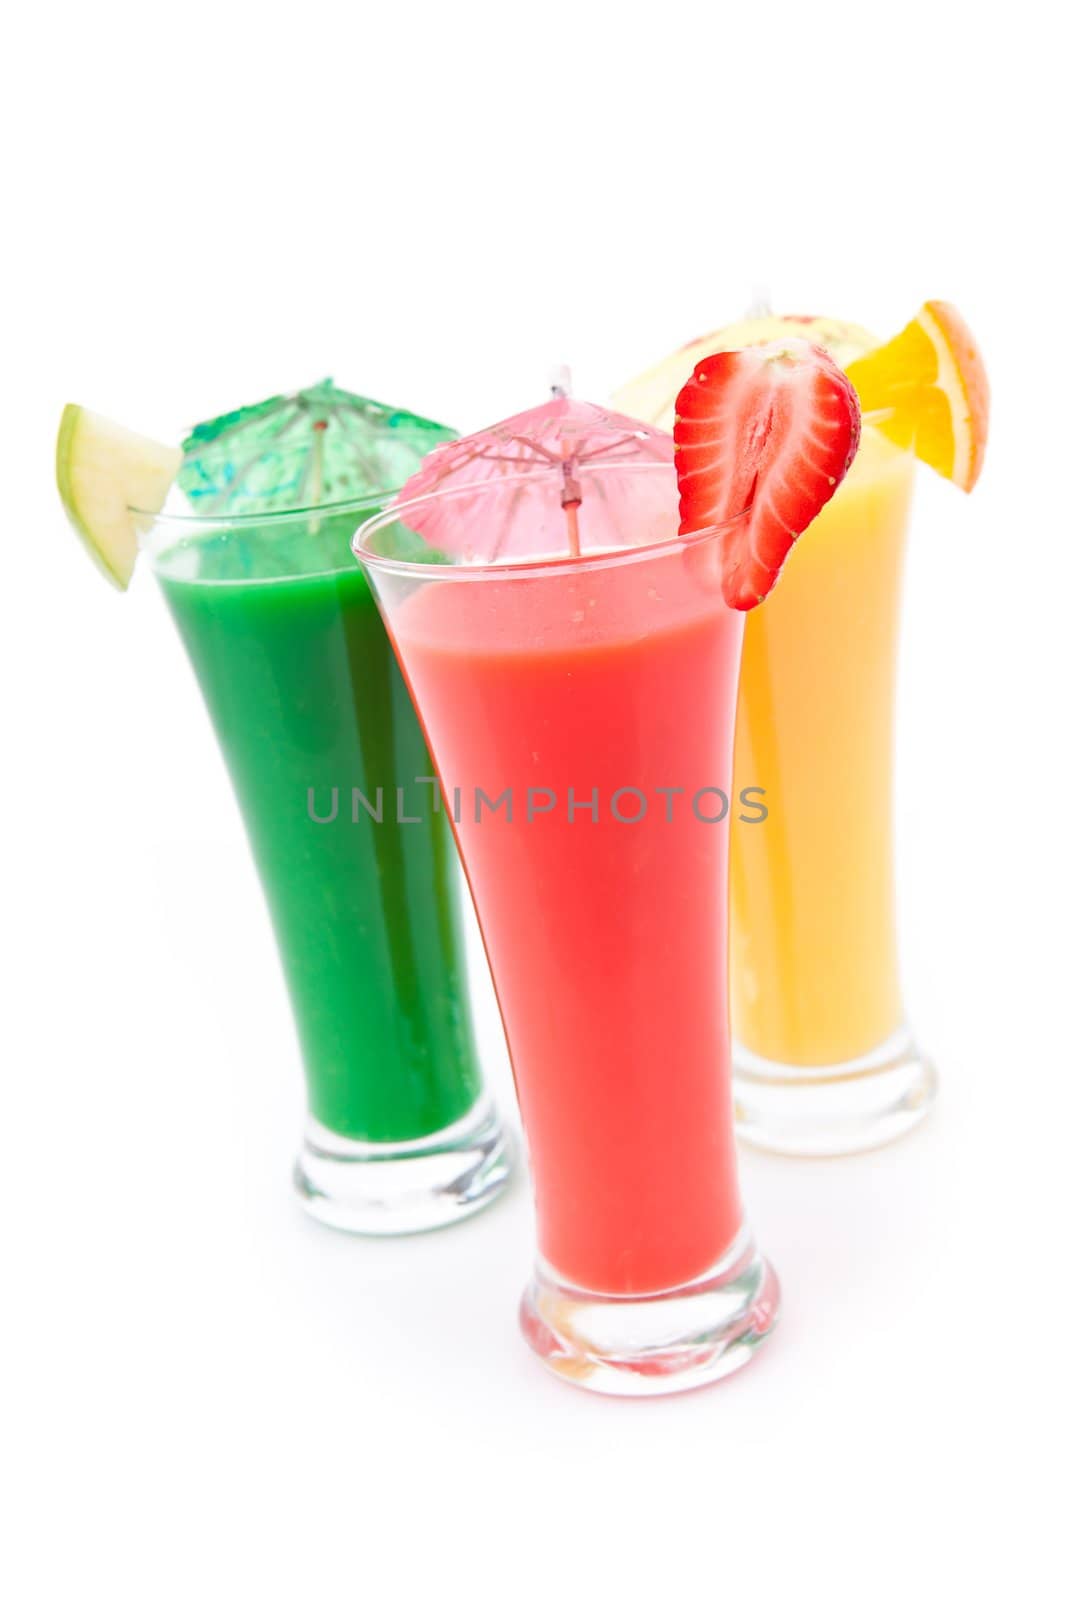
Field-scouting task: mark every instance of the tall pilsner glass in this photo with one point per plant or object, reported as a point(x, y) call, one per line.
point(334, 783)
point(825, 1062)
point(581, 716)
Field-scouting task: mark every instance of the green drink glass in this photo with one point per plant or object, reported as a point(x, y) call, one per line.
point(336, 788)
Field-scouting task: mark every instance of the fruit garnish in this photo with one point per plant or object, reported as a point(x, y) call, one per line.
point(771, 430)
point(932, 383)
point(104, 472)
point(650, 397)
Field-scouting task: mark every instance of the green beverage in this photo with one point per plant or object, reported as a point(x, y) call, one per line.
point(335, 785)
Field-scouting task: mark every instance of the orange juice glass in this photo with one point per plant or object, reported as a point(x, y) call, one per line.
point(824, 1061)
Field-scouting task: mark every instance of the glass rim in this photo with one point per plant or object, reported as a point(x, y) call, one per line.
point(159, 533)
point(248, 519)
point(538, 565)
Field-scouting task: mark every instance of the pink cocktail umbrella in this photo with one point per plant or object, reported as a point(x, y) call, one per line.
point(546, 506)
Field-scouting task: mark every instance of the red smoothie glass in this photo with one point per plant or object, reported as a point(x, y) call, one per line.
point(580, 712)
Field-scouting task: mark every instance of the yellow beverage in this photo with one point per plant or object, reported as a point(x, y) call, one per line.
point(814, 975)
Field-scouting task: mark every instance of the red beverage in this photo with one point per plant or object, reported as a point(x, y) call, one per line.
point(607, 936)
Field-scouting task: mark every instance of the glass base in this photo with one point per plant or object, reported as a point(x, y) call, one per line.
point(654, 1344)
point(384, 1189)
point(836, 1110)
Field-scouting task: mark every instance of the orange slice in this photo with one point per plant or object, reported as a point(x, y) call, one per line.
point(932, 383)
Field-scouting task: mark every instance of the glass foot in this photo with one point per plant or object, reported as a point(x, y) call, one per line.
point(427, 1183)
point(836, 1110)
point(653, 1344)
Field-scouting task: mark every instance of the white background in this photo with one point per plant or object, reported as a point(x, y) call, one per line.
point(207, 1395)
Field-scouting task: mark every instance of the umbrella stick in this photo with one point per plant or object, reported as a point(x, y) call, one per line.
point(315, 489)
point(572, 528)
point(572, 499)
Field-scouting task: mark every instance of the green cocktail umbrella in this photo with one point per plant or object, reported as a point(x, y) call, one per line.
point(312, 448)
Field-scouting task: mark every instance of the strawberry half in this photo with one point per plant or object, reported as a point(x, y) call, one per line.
point(771, 430)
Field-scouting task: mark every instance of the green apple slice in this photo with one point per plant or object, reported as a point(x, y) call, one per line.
point(104, 473)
